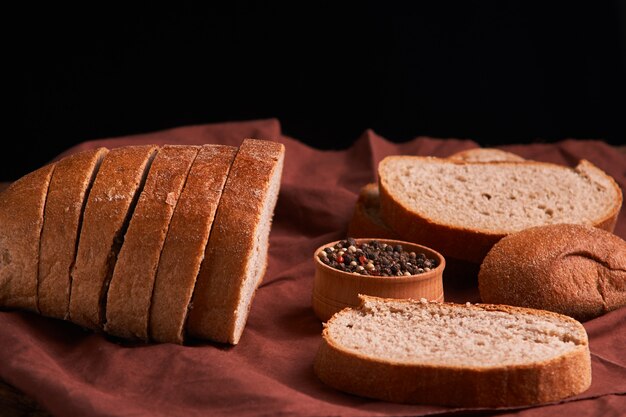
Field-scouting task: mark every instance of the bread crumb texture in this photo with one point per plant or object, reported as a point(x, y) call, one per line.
point(506, 196)
point(453, 335)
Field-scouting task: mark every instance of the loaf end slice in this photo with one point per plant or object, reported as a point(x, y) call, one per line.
point(445, 204)
point(110, 204)
point(570, 269)
point(456, 355)
point(236, 255)
point(187, 237)
point(22, 207)
point(132, 283)
point(67, 195)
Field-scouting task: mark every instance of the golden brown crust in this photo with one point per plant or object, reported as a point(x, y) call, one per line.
point(485, 155)
point(467, 386)
point(22, 207)
point(186, 239)
point(575, 270)
point(130, 290)
point(106, 215)
point(67, 194)
point(229, 257)
point(464, 243)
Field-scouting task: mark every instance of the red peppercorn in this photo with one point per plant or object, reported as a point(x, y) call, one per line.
point(362, 259)
point(340, 259)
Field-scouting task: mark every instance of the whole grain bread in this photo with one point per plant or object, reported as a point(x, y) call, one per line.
point(570, 269)
point(236, 255)
point(67, 195)
point(457, 355)
point(108, 210)
point(462, 209)
point(186, 239)
point(132, 282)
point(22, 207)
point(366, 220)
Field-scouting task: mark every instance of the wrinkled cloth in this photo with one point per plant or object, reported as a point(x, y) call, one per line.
point(71, 371)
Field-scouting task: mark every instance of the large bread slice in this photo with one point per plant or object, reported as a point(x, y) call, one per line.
point(462, 209)
point(450, 354)
point(236, 256)
point(109, 206)
point(366, 220)
point(186, 240)
point(22, 207)
point(570, 269)
point(130, 290)
point(67, 195)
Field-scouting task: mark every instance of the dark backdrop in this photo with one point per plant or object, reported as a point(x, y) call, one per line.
point(493, 71)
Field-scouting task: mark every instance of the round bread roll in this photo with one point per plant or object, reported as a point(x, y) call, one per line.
point(570, 269)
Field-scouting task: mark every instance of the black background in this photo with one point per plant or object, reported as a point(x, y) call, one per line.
point(495, 71)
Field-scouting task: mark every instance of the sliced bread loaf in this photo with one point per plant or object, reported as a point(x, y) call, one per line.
point(236, 255)
point(570, 269)
point(366, 220)
point(450, 354)
point(109, 207)
point(186, 240)
point(462, 209)
point(22, 207)
point(67, 195)
point(132, 282)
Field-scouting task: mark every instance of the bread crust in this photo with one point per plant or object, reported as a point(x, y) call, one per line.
point(575, 270)
point(67, 195)
point(452, 240)
point(130, 290)
point(466, 386)
point(22, 207)
point(186, 240)
point(220, 300)
point(109, 205)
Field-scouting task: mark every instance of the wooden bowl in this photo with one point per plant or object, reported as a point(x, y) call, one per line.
point(334, 290)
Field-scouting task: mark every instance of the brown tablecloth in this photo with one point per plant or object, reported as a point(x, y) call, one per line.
point(73, 372)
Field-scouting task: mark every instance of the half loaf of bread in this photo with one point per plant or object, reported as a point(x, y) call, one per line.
point(121, 240)
point(462, 209)
point(449, 354)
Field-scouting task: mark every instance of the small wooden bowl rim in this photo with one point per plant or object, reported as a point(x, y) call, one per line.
point(441, 262)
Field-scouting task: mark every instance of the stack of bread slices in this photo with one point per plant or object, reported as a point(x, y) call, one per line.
point(143, 242)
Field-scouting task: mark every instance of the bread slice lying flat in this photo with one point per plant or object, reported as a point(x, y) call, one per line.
point(462, 209)
point(110, 203)
point(366, 220)
point(132, 282)
point(457, 355)
point(187, 239)
point(236, 255)
point(21, 220)
point(67, 195)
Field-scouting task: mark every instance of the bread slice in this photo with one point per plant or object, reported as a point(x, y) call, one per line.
point(130, 290)
point(236, 256)
point(22, 208)
point(570, 269)
point(186, 241)
point(67, 195)
point(462, 209)
point(366, 220)
point(457, 355)
point(109, 206)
